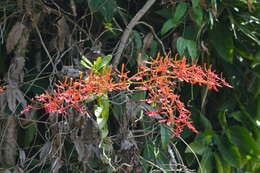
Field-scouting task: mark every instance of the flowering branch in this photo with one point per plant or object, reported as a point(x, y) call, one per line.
point(158, 76)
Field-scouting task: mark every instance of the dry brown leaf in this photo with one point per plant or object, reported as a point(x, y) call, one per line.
point(45, 150)
point(83, 150)
point(2, 102)
point(14, 36)
point(15, 72)
point(10, 145)
point(147, 42)
point(11, 100)
point(63, 33)
point(15, 97)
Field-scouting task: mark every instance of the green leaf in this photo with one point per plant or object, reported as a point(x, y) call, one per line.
point(207, 162)
point(206, 123)
point(28, 134)
point(197, 147)
point(218, 163)
point(105, 61)
point(97, 64)
point(173, 22)
point(192, 48)
point(153, 48)
point(181, 45)
point(165, 12)
point(242, 138)
point(137, 40)
point(222, 119)
point(167, 26)
point(94, 5)
point(180, 11)
point(195, 3)
point(101, 112)
point(85, 62)
point(228, 151)
point(108, 9)
point(197, 12)
point(222, 41)
point(165, 135)
point(139, 95)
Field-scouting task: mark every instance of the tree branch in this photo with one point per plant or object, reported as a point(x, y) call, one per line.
point(128, 30)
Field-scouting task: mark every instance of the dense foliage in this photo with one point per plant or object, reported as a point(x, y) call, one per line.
point(83, 88)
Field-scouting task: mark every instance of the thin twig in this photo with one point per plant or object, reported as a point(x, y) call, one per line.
point(155, 35)
point(128, 30)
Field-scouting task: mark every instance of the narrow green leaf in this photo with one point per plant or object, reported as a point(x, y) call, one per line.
point(181, 45)
point(105, 61)
point(86, 60)
point(97, 63)
point(241, 137)
point(222, 119)
point(218, 163)
point(85, 64)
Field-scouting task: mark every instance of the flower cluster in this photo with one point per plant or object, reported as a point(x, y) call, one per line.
point(158, 76)
point(74, 93)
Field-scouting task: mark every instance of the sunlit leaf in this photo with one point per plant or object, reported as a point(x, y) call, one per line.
point(218, 163)
point(105, 61)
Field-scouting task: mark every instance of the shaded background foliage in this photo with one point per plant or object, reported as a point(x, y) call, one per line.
point(42, 42)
